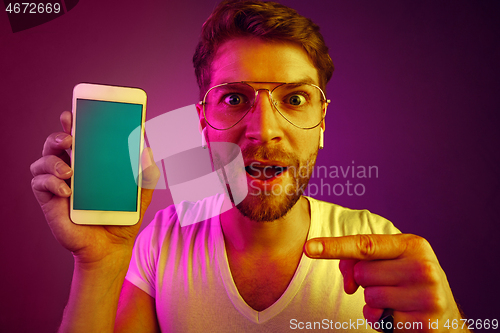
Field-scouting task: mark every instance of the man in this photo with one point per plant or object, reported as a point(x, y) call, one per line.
point(264, 264)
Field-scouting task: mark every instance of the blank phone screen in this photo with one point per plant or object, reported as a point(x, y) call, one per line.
point(103, 176)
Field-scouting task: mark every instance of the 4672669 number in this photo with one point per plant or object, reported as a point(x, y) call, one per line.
point(472, 324)
point(33, 8)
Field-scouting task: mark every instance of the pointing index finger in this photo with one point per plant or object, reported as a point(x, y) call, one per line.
point(360, 247)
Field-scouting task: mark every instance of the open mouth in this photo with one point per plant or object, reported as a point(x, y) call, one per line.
point(266, 172)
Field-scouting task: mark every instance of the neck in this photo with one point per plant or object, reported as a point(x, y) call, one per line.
point(273, 238)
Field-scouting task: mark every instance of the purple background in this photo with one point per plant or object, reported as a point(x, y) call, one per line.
point(415, 92)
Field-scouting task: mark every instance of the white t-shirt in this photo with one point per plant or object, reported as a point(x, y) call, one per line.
point(187, 272)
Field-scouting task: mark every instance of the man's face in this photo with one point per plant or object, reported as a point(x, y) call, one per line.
point(278, 156)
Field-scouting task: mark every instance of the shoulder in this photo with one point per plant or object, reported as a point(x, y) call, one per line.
point(336, 220)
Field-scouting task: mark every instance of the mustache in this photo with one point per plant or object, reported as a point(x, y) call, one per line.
point(269, 153)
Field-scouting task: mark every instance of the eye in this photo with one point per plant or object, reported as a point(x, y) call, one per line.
point(233, 99)
point(296, 100)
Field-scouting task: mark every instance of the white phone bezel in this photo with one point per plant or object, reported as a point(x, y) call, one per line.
point(112, 94)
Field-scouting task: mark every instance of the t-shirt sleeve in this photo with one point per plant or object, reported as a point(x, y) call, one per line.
point(142, 271)
point(163, 238)
point(142, 268)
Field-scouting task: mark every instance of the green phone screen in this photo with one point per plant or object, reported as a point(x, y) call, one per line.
point(103, 176)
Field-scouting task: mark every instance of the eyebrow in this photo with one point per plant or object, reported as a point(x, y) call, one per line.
point(305, 79)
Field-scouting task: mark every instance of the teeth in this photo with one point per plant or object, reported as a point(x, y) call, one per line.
point(264, 172)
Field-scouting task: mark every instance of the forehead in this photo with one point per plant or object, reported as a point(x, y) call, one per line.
point(252, 59)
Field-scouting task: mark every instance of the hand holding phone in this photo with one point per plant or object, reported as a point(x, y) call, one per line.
point(101, 253)
point(51, 174)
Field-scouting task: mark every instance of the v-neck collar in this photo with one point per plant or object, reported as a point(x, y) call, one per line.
point(292, 289)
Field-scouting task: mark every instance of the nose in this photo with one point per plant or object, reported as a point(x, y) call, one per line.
point(263, 123)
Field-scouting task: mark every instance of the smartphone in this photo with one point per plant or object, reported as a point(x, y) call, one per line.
point(108, 139)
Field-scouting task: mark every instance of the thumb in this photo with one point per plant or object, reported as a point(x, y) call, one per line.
point(150, 176)
point(347, 269)
point(150, 171)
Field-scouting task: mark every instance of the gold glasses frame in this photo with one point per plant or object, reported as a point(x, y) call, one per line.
point(274, 103)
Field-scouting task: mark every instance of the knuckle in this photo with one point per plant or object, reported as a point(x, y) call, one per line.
point(33, 168)
point(332, 247)
point(343, 265)
point(374, 297)
point(48, 142)
point(366, 245)
point(39, 183)
point(44, 165)
point(418, 242)
point(440, 303)
point(369, 299)
point(427, 271)
point(371, 314)
point(51, 144)
point(156, 172)
point(359, 273)
point(50, 161)
point(45, 183)
point(39, 166)
point(432, 301)
point(33, 182)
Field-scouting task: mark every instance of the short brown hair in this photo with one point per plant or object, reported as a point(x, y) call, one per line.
point(265, 20)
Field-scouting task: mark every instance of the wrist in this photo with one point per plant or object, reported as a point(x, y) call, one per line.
point(114, 261)
point(101, 276)
point(94, 295)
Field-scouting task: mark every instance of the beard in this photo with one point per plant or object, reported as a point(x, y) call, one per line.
point(265, 205)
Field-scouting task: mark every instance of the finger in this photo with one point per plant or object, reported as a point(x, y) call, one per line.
point(56, 144)
point(399, 298)
point(372, 315)
point(66, 119)
point(362, 247)
point(150, 177)
point(51, 165)
point(151, 173)
point(46, 186)
point(382, 272)
point(347, 270)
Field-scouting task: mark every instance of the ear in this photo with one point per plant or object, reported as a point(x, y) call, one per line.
point(202, 124)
